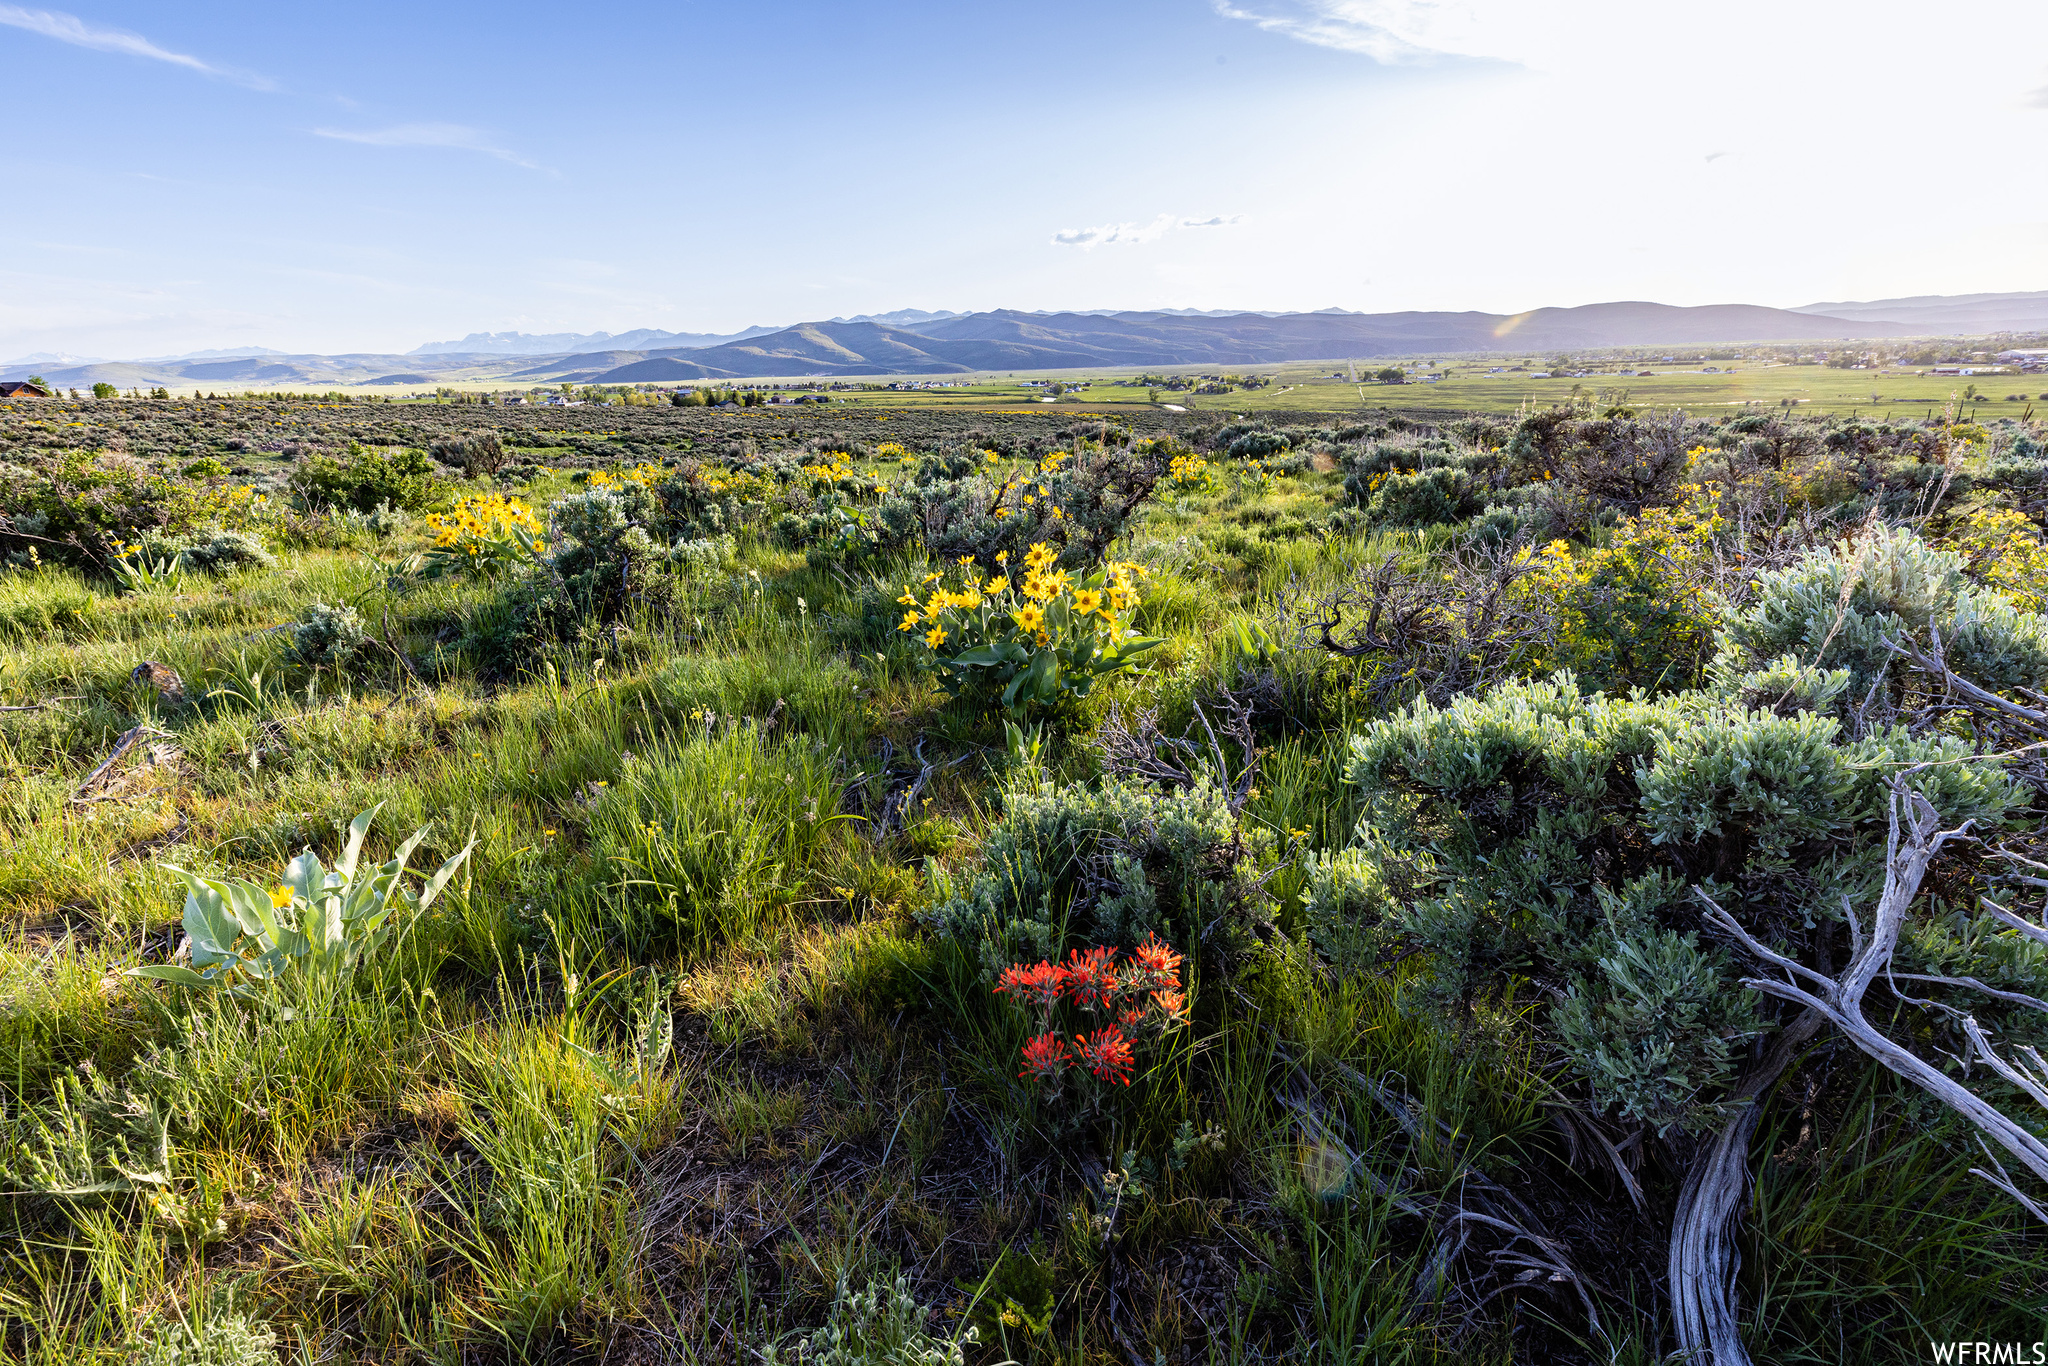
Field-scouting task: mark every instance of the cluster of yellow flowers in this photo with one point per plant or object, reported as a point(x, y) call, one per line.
point(1026, 640)
point(646, 475)
point(1046, 599)
point(232, 505)
point(2003, 550)
point(831, 468)
point(890, 450)
point(1190, 474)
point(481, 518)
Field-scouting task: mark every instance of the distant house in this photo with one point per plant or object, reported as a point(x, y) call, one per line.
point(21, 388)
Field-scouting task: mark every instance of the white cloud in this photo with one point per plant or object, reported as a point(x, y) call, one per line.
point(1090, 238)
point(1394, 30)
point(69, 28)
point(457, 136)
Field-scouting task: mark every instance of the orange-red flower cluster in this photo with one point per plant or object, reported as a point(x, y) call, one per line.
point(1142, 996)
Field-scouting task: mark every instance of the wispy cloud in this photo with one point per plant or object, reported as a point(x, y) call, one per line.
point(1090, 238)
point(69, 28)
point(1391, 30)
point(455, 136)
point(2039, 99)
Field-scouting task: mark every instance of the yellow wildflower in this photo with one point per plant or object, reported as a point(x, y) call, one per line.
point(1086, 601)
point(935, 637)
point(910, 619)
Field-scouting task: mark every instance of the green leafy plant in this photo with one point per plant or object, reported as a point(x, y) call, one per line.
point(313, 928)
point(883, 1325)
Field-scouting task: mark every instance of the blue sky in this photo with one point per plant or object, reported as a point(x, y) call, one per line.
point(376, 175)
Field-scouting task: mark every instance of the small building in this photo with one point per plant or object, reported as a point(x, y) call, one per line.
point(21, 388)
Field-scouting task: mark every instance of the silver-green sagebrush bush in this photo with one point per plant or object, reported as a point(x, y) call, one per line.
point(328, 636)
point(1565, 838)
point(1102, 865)
point(1837, 611)
point(271, 945)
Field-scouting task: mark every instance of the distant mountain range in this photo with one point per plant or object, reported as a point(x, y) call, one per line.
point(573, 343)
point(921, 342)
point(1949, 314)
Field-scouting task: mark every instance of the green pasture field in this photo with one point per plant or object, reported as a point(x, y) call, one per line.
point(1879, 395)
point(677, 1059)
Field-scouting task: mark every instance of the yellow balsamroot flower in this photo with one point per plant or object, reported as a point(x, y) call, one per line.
point(964, 561)
point(1002, 557)
point(281, 896)
point(935, 637)
point(1086, 600)
point(907, 600)
point(1040, 556)
point(910, 619)
point(1030, 617)
point(995, 585)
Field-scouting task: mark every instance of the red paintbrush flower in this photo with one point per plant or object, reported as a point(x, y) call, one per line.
point(1157, 963)
point(1173, 1004)
point(1091, 976)
point(1038, 983)
point(1106, 1053)
point(1044, 1056)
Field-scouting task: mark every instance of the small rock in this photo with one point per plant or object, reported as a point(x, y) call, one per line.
point(162, 677)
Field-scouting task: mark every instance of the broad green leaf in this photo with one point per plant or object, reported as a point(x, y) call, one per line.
point(305, 876)
point(357, 828)
point(208, 922)
point(441, 876)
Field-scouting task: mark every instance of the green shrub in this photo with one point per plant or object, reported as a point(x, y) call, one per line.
point(1105, 865)
point(479, 453)
point(368, 478)
point(325, 636)
point(881, 1326)
point(1425, 498)
point(75, 505)
point(1897, 588)
point(218, 1336)
point(1565, 834)
point(963, 502)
